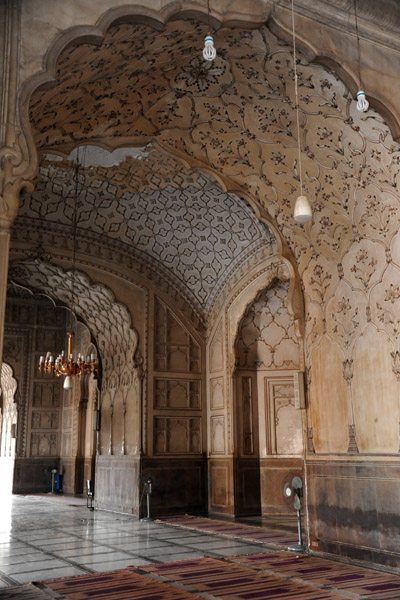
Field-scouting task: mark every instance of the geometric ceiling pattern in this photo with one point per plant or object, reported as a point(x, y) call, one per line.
point(181, 221)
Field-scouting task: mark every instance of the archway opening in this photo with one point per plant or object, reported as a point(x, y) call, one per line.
point(269, 427)
point(8, 427)
point(51, 438)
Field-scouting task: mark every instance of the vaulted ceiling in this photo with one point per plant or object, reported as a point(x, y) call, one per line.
point(176, 220)
point(234, 118)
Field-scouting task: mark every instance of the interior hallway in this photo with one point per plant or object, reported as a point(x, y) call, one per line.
point(43, 539)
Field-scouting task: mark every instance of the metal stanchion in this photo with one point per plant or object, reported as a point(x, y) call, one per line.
point(53, 481)
point(89, 495)
point(148, 491)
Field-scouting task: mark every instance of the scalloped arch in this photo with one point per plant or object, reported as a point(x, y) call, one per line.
point(316, 56)
point(250, 291)
point(109, 321)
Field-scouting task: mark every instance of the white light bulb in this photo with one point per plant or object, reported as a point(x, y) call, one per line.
point(302, 210)
point(209, 52)
point(362, 102)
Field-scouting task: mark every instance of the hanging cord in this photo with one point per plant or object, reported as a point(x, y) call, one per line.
point(208, 15)
point(358, 44)
point(74, 228)
point(80, 160)
point(297, 100)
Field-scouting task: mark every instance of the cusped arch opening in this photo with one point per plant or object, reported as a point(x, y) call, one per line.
point(108, 320)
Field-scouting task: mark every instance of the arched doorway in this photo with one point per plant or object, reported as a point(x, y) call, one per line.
point(88, 424)
point(9, 417)
point(269, 427)
point(49, 435)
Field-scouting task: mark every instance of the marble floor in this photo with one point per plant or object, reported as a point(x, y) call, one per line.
point(44, 538)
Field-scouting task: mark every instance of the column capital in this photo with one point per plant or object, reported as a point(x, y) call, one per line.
point(10, 188)
point(18, 156)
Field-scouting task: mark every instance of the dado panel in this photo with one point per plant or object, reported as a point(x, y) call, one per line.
point(354, 509)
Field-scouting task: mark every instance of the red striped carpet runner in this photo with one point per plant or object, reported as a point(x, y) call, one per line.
point(367, 583)
point(273, 576)
point(220, 579)
point(272, 537)
point(117, 585)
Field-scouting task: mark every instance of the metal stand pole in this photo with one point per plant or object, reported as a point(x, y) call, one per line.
point(300, 547)
point(147, 491)
point(53, 481)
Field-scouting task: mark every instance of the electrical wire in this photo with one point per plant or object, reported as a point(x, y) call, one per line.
point(358, 43)
point(297, 100)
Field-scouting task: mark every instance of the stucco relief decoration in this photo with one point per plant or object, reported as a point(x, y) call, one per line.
point(8, 412)
point(267, 338)
point(109, 321)
point(242, 123)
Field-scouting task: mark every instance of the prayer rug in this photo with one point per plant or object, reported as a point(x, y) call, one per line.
point(367, 583)
point(23, 592)
point(222, 579)
point(117, 585)
point(271, 537)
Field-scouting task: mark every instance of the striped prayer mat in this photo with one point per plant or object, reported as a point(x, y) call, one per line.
point(117, 585)
point(23, 592)
point(228, 581)
point(367, 583)
point(271, 537)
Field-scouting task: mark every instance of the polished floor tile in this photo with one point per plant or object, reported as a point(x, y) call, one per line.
point(160, 558)
point(76, 553)
point(45, 538)
point(48, 574)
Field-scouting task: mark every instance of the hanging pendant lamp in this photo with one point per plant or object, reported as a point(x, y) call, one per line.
point(209, 52)
point(362, 102)
point(302, 208)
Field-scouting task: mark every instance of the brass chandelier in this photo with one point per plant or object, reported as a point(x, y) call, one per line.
point(62, 365)
point(67, 366)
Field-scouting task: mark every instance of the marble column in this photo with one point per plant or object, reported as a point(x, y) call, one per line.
point(18, 157)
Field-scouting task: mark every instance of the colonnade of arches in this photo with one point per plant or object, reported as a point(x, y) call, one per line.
point(208, 393)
